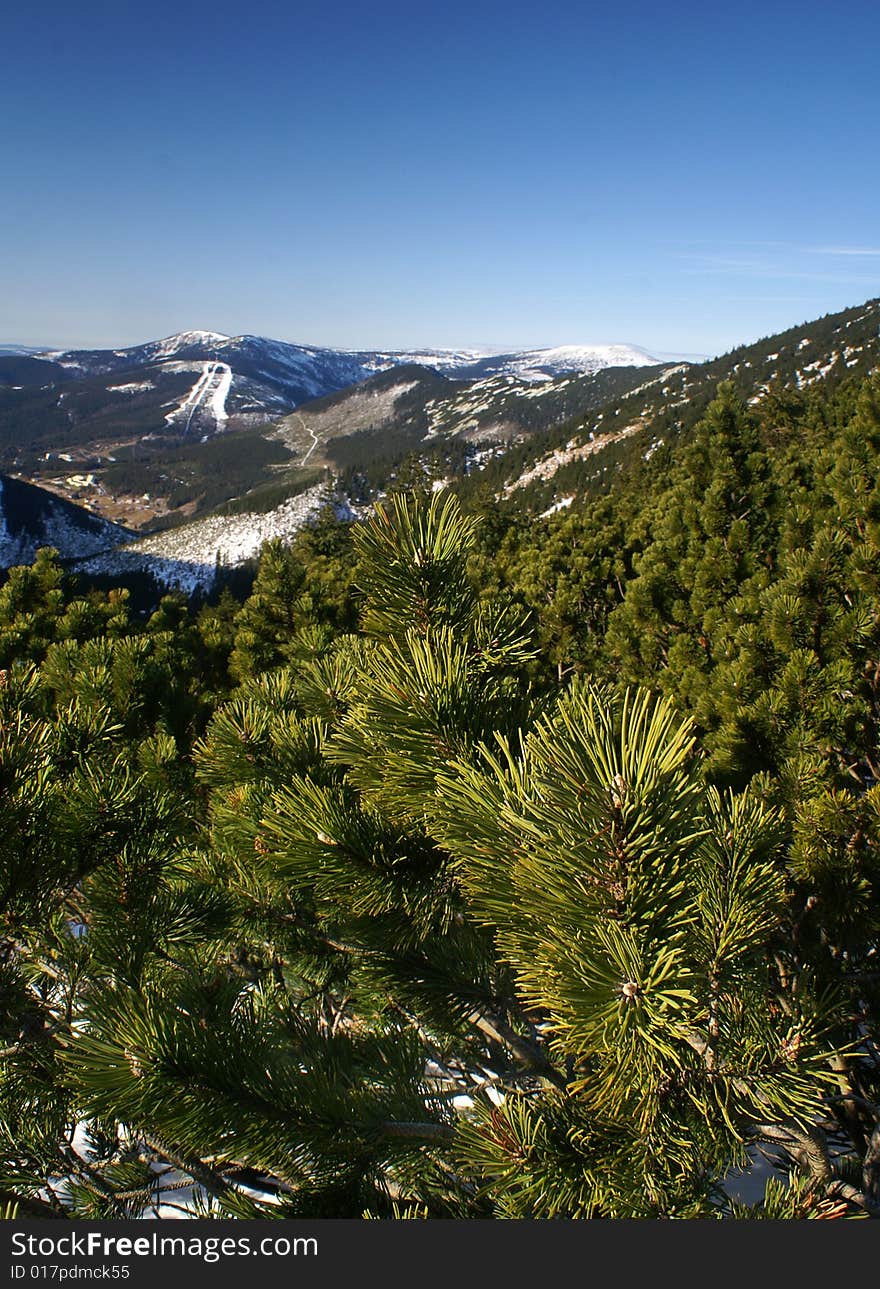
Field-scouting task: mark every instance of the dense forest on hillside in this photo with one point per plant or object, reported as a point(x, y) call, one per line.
point(474, 865)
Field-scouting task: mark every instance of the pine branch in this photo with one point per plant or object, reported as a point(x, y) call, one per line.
point(15, 1048)
point(808, 1147)
point(90, 1175)
point(849, 1103)
point(531, 1055)
point(246, 1176)
point(31, 1206)
point(148, 1192)
point(401, 1131)
point(213, 1182)
point(871, 1167)
point(854, 1196)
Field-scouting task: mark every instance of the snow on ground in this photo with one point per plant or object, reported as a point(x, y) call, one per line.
point(548, 465)
point(534, 364)
point(210, 390)
point(133, 387)
point(187, 558)
point(562, 504)
point(188, 404)
point(576, 356)
point(666, 375)
point(7, 542)
point(70, 536)
point(231, 539)
point(439, 359)
point(182, 340)
point(217, 402)
point(817, 370)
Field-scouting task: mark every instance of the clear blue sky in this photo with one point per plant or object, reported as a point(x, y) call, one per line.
point(681, 176)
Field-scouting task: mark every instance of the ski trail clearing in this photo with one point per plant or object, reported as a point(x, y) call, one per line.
point(216, 380)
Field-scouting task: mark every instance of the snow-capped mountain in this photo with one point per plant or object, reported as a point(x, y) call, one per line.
point(119, 428)
point(350, 443)
point(205, 381)
point(544, 364)
point(19, 351)
point(202, 380)
point(94, 362)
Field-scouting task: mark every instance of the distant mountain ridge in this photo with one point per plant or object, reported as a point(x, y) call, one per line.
point(544, 364)
point(545, 443)
point(7, 349)
point(199, 383)
point(213, 344)
point(266, 375)
point(576, 459)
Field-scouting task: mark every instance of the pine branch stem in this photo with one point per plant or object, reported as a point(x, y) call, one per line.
point(31, 1206)
point(531, 1055)
point(854, 1196)
point(807, 1147)
point(84, 1169)
point(401, 1130)
point(213, 1182)
point(871, 1167)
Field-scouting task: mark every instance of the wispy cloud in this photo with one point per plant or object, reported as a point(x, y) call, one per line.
point(739, 249)
point(843, 250)
point(769, 268)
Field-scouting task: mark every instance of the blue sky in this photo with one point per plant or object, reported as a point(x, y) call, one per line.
point(681, 176)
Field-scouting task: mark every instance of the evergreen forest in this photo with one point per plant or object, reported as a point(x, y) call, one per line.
point(470, 865)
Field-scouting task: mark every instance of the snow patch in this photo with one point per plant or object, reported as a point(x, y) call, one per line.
point(187, 558)
point(562, 504)
point(74, 534)
point(209, 391)
point(554, 461)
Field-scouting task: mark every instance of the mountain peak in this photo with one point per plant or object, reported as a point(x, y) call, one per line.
point(616, 355)
point(183, 339)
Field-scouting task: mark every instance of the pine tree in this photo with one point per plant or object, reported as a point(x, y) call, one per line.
point(709, 536)
point(268, 620)
point(431, 940)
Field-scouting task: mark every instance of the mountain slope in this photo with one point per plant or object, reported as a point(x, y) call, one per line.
point(200, 382)
point(79, 413)
point(187, 558)
point(12, 350)
point(568, 460)
point(21, 370)
point(541, 445)
point(561, 462)
point(364, 434)
point(30, 518)
point(543, 364)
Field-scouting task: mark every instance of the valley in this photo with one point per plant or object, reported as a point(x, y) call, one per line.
point(133, 434)
point(203, 478)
